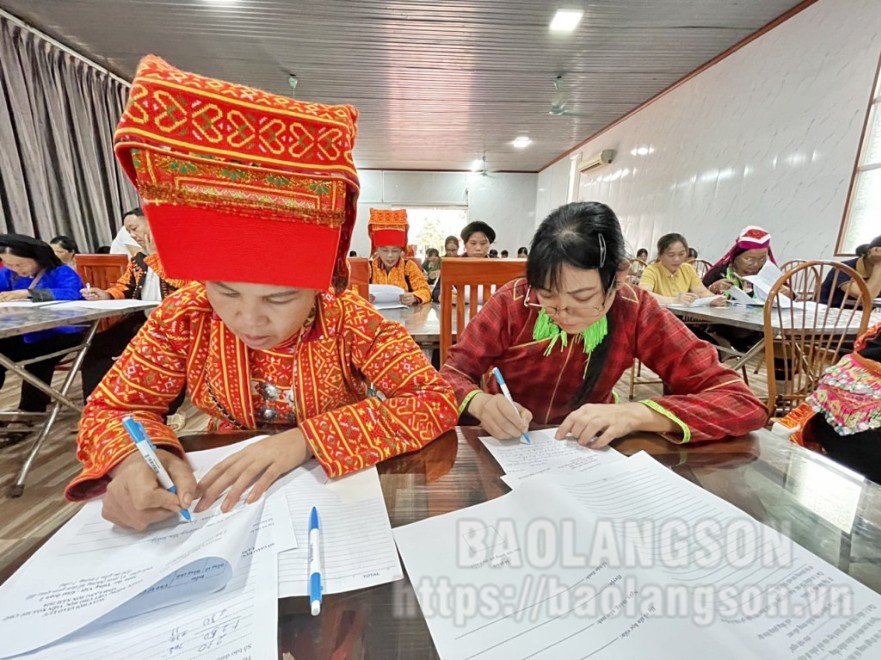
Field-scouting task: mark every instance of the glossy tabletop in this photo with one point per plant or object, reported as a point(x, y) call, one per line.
point(22, 320)
point(422, 322)
point(827, 509)
point(753, 317)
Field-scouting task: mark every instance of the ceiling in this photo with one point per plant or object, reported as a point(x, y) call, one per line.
point(437, 83)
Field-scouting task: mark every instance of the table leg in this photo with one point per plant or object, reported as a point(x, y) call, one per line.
point(17, 489)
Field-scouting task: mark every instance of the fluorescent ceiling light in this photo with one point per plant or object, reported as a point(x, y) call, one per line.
point(522, 142)
point(477, 165)
point(566, 20)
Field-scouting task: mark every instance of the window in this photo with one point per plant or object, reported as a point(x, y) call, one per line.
point(429, 226)
point(862, 219)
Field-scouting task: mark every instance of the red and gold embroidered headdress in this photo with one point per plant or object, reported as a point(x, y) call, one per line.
point(240, 185)
point(387, 228)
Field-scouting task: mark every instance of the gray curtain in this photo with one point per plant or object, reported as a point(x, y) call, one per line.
point(57, 116)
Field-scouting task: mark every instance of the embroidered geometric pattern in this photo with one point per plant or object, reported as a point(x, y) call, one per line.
point(325, 370)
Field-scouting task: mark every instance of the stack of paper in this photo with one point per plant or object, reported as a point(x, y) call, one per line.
point(762, 283)
point(386, 296)
point(206, 589)
point(628, 560)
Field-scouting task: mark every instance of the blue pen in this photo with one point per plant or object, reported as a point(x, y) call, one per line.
point(507, 393)
point(314, 563)
point(148, 451)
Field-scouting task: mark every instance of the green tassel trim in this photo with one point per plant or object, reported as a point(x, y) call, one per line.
point(545, 328)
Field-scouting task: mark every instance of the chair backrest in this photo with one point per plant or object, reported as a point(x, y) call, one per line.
point(101, 270)
point(804, 339)
point(702, 266)
point(807, 281)
point(474, 281)
point(359, 276)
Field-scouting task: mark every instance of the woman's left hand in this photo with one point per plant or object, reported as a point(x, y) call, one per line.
point(261, 464)
point(409, 299)
point(20, 294)
point(597, 424)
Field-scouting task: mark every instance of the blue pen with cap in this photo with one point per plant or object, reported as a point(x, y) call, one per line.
point(315, 587)
point(504, 386)
point(146, 448)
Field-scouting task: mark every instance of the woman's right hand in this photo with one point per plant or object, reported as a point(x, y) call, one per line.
point(134, 498)
point(686, 298)
point(720, 286)
point(498, 417)
point(94, 294)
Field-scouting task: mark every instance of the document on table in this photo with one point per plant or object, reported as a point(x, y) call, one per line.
point(91, 570)
point(545, 454)
point(125, 303)
point(26, 303)
point(764, 281)
point(700, 302)
point(356, 536)
point(600, 565)
point(386, 296)
point(235, 623)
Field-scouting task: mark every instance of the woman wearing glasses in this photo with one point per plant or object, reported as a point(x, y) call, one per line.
point(750, 252)
point(565, 334)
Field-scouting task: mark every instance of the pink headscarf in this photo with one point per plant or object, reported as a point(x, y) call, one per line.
point(751, 238)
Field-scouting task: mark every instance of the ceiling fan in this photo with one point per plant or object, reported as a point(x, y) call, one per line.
point(479, 167)
point(561, 99)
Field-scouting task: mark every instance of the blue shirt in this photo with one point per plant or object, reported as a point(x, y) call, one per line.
point(61, 283)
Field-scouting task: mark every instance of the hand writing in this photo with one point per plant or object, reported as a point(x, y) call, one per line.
point(495, 414)
point(134, 498)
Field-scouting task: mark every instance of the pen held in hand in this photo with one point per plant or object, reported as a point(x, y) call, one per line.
point(504, 386)
point(148, 451)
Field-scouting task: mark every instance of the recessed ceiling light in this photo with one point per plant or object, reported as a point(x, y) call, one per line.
point(522, 142)
point(566, 20)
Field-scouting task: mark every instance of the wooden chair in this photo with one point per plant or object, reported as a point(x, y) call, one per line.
point(473, 281)
point(102, 271)
point(359, 276)
point(702, 266)
point(813, 336)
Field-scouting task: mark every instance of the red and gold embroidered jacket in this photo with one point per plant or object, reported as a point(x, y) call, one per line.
point(131, 283)
point(708, 401)
point(326, 373)
point(405, 274)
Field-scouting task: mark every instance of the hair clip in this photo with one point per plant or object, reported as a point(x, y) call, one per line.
point(602, 242)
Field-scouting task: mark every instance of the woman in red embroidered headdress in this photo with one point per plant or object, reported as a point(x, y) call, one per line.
point(390, 265)
point(564, 335)
point(750, 252)
point(253, 196)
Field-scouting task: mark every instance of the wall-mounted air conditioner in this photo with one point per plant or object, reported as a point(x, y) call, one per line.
point(602, 158)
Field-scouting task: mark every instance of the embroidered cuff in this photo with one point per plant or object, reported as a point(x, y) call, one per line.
point(658, 408)
point(464, 405)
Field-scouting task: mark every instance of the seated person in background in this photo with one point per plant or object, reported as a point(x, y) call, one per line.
point(65, 249)
point(563, 337)
point(124, 243)
point(493, 254)
point(260, 339)
point(692, 256)
point(103, 249)
point(352, 253)
point(388, 237)
point(522, 252)
point(477, 236)
point(503, 254)
point(867, 265)
point(844, 412)
point(451, 246)
point(750, 252)
point(31, 271)
point(637, 266)
point(144, 279)
point(671, 280)
point(432, 265)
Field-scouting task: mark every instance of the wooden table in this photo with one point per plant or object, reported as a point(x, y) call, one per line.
point(421, 321)
point(825, 508)
point(16, 321)
point(753, 318)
